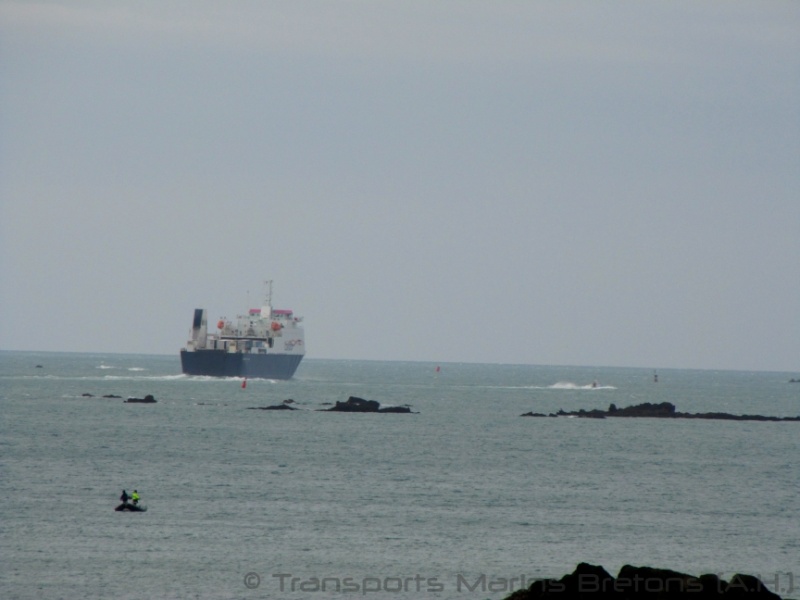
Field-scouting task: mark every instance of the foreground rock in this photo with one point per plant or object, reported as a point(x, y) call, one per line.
point(354, 404)
point(664, 410)
point(643, 583)
point(146, 400)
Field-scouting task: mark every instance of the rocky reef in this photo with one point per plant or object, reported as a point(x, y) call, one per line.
point(354, 404)
point(646, 583)
point(664, 410)
point(146, 400)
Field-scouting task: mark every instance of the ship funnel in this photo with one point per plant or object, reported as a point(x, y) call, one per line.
point(199, 327)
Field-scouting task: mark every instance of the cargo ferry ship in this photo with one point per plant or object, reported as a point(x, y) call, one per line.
point(264, 343)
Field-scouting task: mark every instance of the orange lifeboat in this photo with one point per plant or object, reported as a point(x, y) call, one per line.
point(275, 326)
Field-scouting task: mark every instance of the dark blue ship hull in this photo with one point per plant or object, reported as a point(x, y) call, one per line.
point(218, 363)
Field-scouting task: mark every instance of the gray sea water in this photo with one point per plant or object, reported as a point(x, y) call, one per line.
point(462, 500)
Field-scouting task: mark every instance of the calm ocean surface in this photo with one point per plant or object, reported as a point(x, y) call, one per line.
point(385, 505)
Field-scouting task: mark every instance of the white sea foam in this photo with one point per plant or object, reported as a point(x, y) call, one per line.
point(142, 377)
point(568, 385)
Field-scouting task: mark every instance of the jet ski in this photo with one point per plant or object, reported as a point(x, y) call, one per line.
point(131, 507)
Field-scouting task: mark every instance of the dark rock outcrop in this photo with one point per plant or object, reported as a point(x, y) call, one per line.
point(354, 404)
point(664, 410)
point(643, 583)
point(648, 409)
point(146, 400)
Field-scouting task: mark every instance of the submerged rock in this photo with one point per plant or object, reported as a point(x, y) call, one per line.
point(283, 406)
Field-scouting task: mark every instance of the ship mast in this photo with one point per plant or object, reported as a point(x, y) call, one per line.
point(267, 309)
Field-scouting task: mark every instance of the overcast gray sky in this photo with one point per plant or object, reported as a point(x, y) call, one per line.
point(578, 183)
